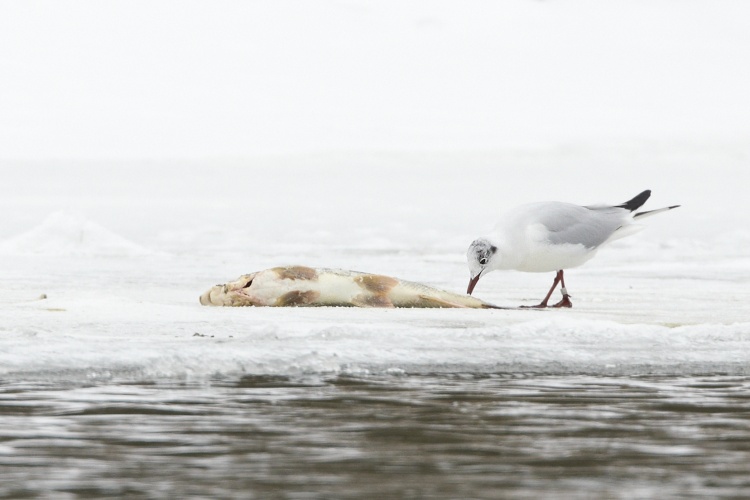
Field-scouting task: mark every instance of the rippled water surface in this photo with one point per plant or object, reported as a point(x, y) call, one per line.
point(405, 436)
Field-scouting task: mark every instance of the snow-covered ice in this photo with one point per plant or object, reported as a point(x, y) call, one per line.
point(69, 233)
point(123, 282)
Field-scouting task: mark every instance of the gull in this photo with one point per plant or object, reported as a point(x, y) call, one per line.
point(553, 236)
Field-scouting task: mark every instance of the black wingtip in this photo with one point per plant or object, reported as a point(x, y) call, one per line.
point(636, 202)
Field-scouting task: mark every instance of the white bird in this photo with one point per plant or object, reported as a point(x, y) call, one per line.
point(553, 236)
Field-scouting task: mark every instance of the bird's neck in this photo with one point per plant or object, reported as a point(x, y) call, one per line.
point(499, 260)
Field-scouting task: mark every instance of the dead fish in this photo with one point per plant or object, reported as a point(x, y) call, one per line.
point(305, 286)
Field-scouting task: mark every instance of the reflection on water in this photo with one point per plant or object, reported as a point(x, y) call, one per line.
point(404, 436)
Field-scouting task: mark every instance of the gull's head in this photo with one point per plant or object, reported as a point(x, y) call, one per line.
point(480, 256)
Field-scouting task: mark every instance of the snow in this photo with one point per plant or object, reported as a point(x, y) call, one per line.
point(70, 234)
point(671, 299)
point(374, 136)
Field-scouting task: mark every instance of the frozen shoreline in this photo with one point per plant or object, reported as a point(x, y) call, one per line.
point(137, 318)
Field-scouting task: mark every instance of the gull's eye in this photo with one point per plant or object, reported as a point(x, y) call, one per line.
point(483, 260)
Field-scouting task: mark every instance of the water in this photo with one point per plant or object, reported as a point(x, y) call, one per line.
point(385, 436)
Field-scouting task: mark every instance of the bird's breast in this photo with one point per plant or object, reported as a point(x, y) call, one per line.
point(544, 257)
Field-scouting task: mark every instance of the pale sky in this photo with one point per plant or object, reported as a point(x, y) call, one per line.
point(191, 79)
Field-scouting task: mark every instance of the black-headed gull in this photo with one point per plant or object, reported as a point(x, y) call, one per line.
point(553, 236)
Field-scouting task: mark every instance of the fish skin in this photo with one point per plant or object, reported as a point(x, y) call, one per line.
point(300, 286)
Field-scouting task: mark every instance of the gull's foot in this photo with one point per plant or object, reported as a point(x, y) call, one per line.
point(565, 302)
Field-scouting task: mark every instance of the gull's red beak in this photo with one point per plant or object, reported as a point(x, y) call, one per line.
point(472, 283)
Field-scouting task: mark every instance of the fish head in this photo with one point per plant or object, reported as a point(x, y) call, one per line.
point(244, 291)
point(280, 286)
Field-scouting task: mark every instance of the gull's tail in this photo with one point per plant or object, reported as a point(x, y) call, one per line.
point(641, 215)
point(636, 202)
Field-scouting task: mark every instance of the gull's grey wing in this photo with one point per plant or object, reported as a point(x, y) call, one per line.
point(587, 226)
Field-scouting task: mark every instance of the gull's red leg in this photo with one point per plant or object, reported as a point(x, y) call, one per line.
point(543, 304)
point(565, 302)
